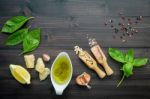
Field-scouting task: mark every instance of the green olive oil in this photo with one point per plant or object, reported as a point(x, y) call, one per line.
point(61, 70)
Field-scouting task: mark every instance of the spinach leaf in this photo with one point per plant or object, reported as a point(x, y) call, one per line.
point(138, 62)
point(14, 23)
point(127, 69)
point(16, 37)
point(32, 40)
point(129, 55)
point(117, 55)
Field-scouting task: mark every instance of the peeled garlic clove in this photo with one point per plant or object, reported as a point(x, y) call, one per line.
point(44, 74)
point(46, 57)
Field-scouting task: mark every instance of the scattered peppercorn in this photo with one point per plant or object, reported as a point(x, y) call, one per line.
point(116, 30)
point(123, 34)
point(121, 37)
point(125, 29)
point(122, 28)
point(120, 13)
point(123, 40)
point(136, 22)
point(125, 26)
point(123, 18)
point(76, 25)
point(112, 26)
point(105, 23)
point(129, 19)
point(128, 24)
point(136, 31)
point(122, 24)
point(114, 36)
point(141, 17)
point(111, 21)
point(127, 33)
point(119, 24)
point(130, 35)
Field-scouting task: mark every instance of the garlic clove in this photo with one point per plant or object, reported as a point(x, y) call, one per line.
point(46, 57)
point(83, 80)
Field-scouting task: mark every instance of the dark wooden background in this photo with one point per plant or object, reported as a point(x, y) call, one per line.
point(64, 24)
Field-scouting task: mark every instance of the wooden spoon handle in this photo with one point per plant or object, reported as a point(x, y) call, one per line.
point(99, 72)
point(107, 68)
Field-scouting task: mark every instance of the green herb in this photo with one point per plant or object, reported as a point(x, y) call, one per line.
point(129, 56)
point(127, 69)
point(128, 61)
point(35, 33)
point(31, 41)
point(139, 62)
point(14, 23)
point(16, 37)
point(117, 55)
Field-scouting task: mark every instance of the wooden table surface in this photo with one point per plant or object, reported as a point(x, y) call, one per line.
point(66, 23)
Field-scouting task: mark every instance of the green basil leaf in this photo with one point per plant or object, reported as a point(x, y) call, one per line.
point(129, 56)
point(117, 55)
point(35, 33)
point(138, 62)
point(29, 44)
point(32, 40)
point(16, 37)
point(127, 69)
point(14, 24)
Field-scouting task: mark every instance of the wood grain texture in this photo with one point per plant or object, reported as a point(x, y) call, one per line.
point(66, 23)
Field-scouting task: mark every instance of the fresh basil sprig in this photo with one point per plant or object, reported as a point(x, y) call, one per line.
point(30, 39)
point(14, 23)
point(128, 60)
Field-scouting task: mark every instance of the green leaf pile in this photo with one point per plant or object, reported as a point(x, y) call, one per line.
point(128, 60)
point(29, 39)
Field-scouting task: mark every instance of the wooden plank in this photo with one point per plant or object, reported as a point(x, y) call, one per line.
point(66, 23)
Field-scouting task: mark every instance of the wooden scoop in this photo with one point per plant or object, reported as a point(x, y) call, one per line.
point(100, 56)
point(89, 61)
